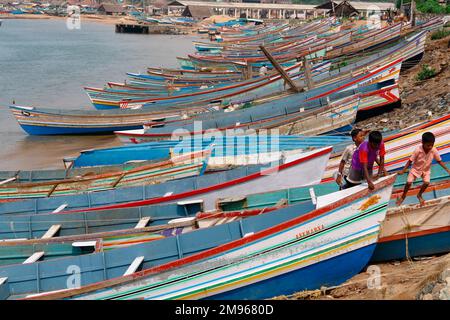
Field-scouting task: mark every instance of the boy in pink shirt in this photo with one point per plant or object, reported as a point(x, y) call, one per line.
point(421, 160)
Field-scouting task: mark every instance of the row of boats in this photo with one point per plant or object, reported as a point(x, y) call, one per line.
point(338, 60)
point(212, 214)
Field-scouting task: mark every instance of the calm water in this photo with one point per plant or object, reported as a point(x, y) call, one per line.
point(43, 63)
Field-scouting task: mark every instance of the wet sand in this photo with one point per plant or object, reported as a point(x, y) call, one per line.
point(40, 152)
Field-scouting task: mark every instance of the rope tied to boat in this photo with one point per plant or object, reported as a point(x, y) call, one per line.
point(407, 228)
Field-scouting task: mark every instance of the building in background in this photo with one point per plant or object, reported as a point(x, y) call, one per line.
point(356, 8)
point(111, 9)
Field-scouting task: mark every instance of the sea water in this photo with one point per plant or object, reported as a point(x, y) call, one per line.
point(46, 63)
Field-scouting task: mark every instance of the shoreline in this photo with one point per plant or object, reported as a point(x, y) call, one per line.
point(110, 20)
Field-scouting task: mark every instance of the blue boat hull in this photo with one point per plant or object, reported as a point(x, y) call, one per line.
point(99, 106)
point(339, 131)
point(40, 130)
point(417, 246)
point(327, 273)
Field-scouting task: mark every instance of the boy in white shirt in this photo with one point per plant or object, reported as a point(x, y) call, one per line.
point(358, 136)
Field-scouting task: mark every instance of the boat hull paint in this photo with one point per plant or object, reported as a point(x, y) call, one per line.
point(52, 130)
point(428, 244)
point(327, 273)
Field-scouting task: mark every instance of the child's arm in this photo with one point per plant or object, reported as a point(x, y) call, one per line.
point(367, 176)
point(381, 171)
point(443, 166)
point(408, 163)
point(341, 168)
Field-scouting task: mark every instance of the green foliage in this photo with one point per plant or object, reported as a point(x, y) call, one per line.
point(430, 6)
point(426, 73)
point(439, 34)
point(427, 6)
point(338, 65)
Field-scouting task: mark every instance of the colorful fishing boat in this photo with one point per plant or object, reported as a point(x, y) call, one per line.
point(56, 235)
point(304, 168)
point(233, 146)
point(414, 230)
point(175, 168)
point(400, 146)
point(284, 251)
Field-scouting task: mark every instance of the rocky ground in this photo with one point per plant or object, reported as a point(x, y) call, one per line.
point(420, 279)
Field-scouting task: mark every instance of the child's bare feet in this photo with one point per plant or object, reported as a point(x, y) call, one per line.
point(421, 200)
point(400, 200)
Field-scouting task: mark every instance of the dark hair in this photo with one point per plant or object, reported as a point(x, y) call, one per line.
point(355, 132)
point(375, 137)
point(428, 137)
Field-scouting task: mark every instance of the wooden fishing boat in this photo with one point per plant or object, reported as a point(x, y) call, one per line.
point(296, 170)
point(370, 40)
point(175, 168)
point(16, 251)
point(226, 153)
point(24, 176)
point(412, 230)
point(227, 145)
point(57, 235)
point(83, 226)
point(400, 146)
point(322, 236)
point(54, 227)
point(338, 115)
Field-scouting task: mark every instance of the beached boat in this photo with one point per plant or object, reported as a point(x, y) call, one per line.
point(400, 146)
point(280, 112)
point(34, 228)
point(54, 235)
point(413, 230)
point(280, 252)
point(233, 146)
point(300, 169)
point(337, 114)
point(175, 168)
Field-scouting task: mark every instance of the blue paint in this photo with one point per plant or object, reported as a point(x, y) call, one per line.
point(41, 130)
point(418, 246)
point(327, 273)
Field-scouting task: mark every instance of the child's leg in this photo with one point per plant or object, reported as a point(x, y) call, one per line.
point(409, 180)
point(426, 183)
point(405, 191)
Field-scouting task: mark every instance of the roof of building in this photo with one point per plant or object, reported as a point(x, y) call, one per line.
point(114, 8)
point(361, 5)
point(344, 9)
point(198, 12)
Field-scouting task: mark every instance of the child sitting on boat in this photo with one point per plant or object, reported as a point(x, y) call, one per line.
point(421, 160)
point(263, 70)
point(363, 159)
point(358, 136)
